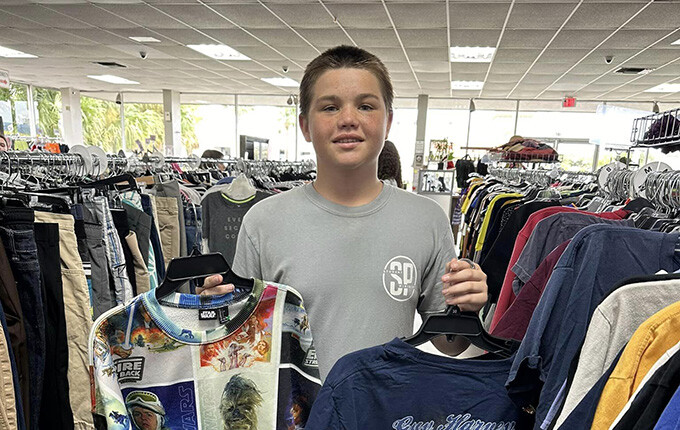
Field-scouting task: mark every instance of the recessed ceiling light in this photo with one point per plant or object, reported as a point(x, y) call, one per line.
point(664, 88)
point(281, 82)
point(219, 52)
point(112, 79)
point(677, 42)
point(13, 53)
point(471, 54)
point(467, 85)
point(145, 39)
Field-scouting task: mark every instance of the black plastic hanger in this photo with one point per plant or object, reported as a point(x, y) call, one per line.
point(183, 269)
point(59, 204)
point(454, 322)
point(113, 181)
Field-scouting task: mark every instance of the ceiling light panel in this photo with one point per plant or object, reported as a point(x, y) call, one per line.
point(677, 42)
point(219, 52)
point(471, 54)
point(281, 82)
point(467, 85)
point(145, 39)
point(113, 79)
point(13, 53)
point(664, 88)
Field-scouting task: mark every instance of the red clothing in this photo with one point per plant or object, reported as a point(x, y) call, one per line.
point(506, 296)
point(513, 324)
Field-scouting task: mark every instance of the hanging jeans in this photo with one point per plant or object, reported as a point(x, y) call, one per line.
point(114, 250)
point(171, 189)
point(139, 264)
point(193, 218)
point(102, 298)
point(11, 409)
point(155, 238)
point(141, 224)
point(78, 317)
point(9, 301)
point(169, 227)
point(55, 410)
point(16, 232)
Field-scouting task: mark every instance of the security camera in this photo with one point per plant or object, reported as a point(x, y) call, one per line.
point(290, 100)
point(285, 69)
point(143, 55)
point(119, 99)
point(608, 59)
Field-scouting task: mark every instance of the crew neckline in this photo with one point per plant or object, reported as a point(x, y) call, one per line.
point(192, 301)
point(472, 365)
point(347, 211)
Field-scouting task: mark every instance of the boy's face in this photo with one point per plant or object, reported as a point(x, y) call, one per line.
point(347, 120)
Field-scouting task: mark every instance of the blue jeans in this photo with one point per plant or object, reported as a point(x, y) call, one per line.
point(21, 423)
point(16, 231)
point(193, 226)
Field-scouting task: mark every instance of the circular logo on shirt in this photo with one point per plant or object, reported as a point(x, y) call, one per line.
point(399, 278)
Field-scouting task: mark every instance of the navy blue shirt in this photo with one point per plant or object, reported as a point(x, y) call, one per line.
point(598, 258)
point(397, 386)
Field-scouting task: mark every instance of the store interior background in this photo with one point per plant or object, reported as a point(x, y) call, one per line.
point(545, 50)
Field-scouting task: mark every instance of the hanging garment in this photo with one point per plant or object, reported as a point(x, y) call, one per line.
point(584, 275)
point(77, 314)
point(611, 327)
point(397, 386)
point(650, 341)
point(169, 227)
point(256, 368)
point(9, 418)
point(18, 237)
point(222, 218)
point(464, 167)
point(670, 418)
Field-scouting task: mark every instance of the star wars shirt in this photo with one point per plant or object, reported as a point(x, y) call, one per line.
point(205, 362)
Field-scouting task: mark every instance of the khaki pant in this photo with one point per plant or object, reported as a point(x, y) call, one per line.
point(141, 272)
point(168, 220)
point(78, 317)
point(8, 411)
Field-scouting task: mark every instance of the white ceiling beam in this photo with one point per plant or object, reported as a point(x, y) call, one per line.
point(396, 33)
point(498, 44)
point(338, 23)
point(288, 25)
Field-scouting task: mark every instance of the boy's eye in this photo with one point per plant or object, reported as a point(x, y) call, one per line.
point(329, 108)
point(366, 107)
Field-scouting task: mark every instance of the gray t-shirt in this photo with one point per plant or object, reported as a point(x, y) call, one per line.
point(222, 219)
point(362, 271)
point(548, 234)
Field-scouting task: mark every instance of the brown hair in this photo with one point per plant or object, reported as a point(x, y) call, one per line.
point(389, 163)
point(340, 57)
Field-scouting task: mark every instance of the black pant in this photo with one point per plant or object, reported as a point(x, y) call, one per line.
point(55, 410)
point(120, 221)
point(16, 231)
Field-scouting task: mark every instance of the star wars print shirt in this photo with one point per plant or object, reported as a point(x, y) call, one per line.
point(205, 362)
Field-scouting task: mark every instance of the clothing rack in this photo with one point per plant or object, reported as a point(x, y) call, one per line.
point(657, 130)
point(541, 176)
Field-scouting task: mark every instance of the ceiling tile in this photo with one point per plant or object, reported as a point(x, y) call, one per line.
point(302, 15)
point(376, 38)
point(478, 15)
point(602, 15)
point(634, 39)
point(654, 57)
point(142, 16)
point(429, 54)
point(559, 56)
point(430, 66)
point(509, 67)
point(42, 15)
point(469, 67)
point(505, 78)
point(99, 36)
point(430, 15)
point(325, 38)
point(658, 15)
point(422, 38)
point(554, 69)
point(474, 37)
point(579, 39)
point(183, 36)
point(198, 16)
point(516, 55)
point(526, 38)
point(249, 15)
point(539, 16)
point(360, 15)
point(93, 15)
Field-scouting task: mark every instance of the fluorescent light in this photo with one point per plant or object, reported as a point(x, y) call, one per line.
point(471, 54)
point(144, 39)
point(467, 85)
point(677, 42)
point(281, 82)
point(219, 52)
point(112, 79)
point(664, 88)
point(13, 53)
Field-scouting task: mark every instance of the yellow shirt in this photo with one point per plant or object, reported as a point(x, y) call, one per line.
point(649, 342)
point(468, 197)
point(487, 218)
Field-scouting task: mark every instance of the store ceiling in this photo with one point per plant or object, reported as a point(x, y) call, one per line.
point(546, 49)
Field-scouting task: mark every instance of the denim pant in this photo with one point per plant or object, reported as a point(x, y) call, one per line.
point(16, 231)
point(21, 423)
point(155, 239)
point(193, 225)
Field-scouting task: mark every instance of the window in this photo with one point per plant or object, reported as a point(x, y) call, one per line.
point(14, 110)
point(48, 112)
point(101, 123)
point(144, 127)
point(272, 118)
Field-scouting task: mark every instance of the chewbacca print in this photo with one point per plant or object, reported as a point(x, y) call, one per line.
point(239, 404)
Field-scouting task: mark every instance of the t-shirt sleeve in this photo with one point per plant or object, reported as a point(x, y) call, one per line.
point(324, 414)
point(247, 258)
point(431, 297)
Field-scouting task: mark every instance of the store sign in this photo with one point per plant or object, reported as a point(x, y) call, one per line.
point(4, 79)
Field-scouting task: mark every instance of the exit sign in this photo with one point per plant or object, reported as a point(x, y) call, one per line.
point(569, 102)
